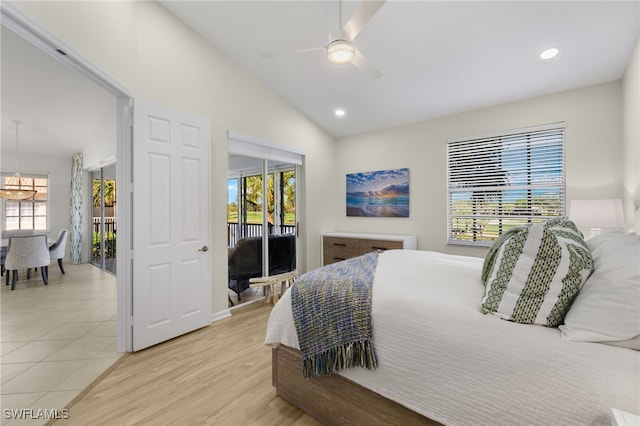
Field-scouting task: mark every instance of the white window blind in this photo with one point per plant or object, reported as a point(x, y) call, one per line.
point(500, 181)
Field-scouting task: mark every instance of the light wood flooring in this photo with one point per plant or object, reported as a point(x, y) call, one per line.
point(218, 375)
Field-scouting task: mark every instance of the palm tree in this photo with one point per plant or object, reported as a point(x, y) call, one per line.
point(289, 183)
point(109, 192)
point(253, 193)
point(289, 190)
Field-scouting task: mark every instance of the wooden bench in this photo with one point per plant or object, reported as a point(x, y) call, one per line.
point(270, 284)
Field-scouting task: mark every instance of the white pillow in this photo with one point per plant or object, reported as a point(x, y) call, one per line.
point(607, 309)
point(598, 240)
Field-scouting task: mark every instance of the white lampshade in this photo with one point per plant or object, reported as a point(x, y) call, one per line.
point(604, 213)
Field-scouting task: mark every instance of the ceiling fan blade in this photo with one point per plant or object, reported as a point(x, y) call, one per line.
point(362, 64)
point(363, 14)
point(289, 52)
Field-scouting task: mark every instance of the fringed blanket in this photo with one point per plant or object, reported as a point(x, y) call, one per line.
point(332, 314)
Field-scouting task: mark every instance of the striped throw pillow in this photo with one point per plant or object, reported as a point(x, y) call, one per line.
point(533, 273)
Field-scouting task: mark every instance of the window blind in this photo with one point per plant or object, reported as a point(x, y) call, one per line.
point(500, 181)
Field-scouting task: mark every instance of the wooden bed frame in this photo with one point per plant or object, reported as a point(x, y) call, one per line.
point(334, 399)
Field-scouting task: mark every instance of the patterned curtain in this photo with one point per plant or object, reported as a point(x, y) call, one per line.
point(75, 235)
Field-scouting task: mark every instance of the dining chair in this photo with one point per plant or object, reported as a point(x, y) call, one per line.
point(3, 256)
point(25, 252)
point(16, 233)
point(56, 251)
point(6, 234)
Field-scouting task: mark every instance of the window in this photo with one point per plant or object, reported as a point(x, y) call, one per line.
point(31, 214)
point(504, 180)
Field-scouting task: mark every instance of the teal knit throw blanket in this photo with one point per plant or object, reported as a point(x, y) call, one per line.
point(332, 314)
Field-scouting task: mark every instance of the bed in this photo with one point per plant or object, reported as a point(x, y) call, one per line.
point(440, 359)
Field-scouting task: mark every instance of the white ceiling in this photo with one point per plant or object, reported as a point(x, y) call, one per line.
point(61, 111)
point(437, 59)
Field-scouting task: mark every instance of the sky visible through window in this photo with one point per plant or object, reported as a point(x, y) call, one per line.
point(232, 191)
point(500, 182)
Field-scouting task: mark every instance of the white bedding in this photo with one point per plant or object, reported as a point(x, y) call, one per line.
point(440, 356)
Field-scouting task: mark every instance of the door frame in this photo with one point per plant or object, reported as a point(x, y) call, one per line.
point(251, 146)
point(22, 25)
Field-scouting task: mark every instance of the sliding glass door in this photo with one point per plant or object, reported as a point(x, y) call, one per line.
point(245, 208)
point(261, 203)
point(104, 229)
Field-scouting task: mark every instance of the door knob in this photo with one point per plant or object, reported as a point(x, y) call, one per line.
point(204, 248)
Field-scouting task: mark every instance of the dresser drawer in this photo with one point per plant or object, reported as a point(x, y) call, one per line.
point(337, 246)
point(336, 249)
point(367, 246)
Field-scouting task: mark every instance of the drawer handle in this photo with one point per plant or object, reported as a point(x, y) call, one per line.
point(340, 244)
point(339, 258)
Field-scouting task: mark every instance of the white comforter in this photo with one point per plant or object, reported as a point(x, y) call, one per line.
point(440, 356)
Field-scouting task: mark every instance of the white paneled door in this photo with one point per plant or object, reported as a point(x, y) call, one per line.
point(171, 217)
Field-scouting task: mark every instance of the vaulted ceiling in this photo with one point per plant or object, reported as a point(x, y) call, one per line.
point(436, 58)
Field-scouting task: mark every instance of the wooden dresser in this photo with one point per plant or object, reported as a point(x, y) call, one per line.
point(337, 246)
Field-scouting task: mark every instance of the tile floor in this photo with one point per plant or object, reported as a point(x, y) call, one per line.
point(56, 339)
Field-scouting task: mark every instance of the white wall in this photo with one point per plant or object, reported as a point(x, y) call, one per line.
point(59, 171)
point(593, 157)
point(158, 58)
point(631, 122)
point(59, 212)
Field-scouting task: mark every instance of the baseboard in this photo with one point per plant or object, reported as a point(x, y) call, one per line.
point(216, 316)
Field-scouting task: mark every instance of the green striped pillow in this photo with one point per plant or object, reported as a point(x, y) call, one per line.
point(533, 273)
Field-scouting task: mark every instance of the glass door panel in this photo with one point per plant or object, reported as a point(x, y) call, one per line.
point(97, 248)
point(251, 181)
point(104, 230)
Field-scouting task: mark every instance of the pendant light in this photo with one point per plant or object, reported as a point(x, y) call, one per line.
point(11, 191)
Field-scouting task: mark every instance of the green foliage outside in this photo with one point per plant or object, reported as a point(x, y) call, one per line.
point(514, 213)
point(109, 237)
point(255, 217)
point(109, 192)
point(253, 194)
point(109, 245)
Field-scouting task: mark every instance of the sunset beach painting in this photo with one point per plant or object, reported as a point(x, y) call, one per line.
point(383, 193)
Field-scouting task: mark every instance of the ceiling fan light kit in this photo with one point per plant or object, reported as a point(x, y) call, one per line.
point(340, 52)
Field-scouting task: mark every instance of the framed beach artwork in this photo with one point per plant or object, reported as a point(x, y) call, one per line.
point(383, 193)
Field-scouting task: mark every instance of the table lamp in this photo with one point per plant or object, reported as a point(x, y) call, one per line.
point(597, 214)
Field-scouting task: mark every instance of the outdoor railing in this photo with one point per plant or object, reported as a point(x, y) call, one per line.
point(252, 230)
point(109, 238)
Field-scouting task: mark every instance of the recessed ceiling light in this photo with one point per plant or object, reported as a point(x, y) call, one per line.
point(549, 53)
point(339, 112)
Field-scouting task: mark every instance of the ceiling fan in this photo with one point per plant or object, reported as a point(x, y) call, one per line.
point(341, 49)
